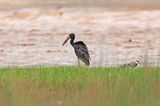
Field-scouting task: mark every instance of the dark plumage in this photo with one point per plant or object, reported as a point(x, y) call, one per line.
point(80, 49)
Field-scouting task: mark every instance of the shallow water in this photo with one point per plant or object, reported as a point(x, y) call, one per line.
point(34, 36)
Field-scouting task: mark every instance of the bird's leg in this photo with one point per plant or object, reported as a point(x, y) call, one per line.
point(78, 62)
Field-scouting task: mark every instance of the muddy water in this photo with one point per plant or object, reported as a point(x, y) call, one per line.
point(34, 36)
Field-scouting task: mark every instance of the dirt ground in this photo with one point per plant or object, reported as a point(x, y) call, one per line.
point(34, 36)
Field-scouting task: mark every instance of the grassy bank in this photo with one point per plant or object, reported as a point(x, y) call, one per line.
point(79, 86)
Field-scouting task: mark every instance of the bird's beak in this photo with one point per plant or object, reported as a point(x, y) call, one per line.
point(66, 40)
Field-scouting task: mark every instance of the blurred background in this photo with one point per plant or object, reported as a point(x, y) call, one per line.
point(141, 4)
point(115, 31)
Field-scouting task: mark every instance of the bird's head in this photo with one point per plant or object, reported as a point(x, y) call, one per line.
point(137, 61)
point(70, 36)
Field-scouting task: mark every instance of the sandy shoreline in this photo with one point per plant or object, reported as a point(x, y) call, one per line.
point(34, 36)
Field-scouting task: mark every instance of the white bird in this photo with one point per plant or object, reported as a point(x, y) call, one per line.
point(131, 64)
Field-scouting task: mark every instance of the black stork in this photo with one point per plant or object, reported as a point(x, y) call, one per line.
point(80, 49)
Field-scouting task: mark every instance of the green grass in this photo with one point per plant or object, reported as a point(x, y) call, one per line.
point(79, 86)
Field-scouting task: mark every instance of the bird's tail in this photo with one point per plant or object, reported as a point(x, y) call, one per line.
point(87, 63)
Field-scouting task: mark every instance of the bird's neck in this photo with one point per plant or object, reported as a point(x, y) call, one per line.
point(72, 42)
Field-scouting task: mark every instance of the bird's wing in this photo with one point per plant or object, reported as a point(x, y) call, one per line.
point(82, 50)
point(85, 51)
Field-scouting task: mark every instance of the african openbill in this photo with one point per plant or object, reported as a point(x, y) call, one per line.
point(80, 49)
